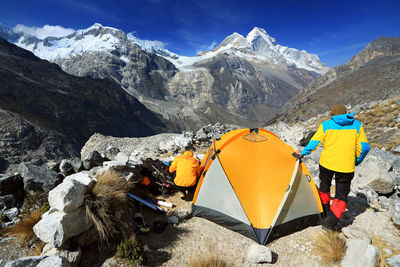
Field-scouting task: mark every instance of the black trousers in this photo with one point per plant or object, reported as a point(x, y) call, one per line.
point(183, 189)
point(342, 179)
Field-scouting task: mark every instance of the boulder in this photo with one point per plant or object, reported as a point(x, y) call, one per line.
point(68, 195)
point(122, 158)
point(395, 211)
point(259, 254)
point(110, 152)
point(87, 165)
point(84, 177)
point(66, 167)
point(25, 262)
point(352, 232)
point(95, 158)
point(376, 172)
point(57, 227)
point(11, 213)
point(54, 261)
point(73, 257)
point(359, 253)
point(38, 178)
point(7, 201)
point(396, 149)
point(10, 184)
point(77, 164)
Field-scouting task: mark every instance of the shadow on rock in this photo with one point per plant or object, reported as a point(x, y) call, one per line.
point(355, 206)
point(158, 241)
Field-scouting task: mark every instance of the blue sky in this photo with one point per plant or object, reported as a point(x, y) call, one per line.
point(334, 30)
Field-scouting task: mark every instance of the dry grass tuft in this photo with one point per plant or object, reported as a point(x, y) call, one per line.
point(381, 244)
point(107, 197)
point(209, 260)
point(23, 230)
point(329, 246)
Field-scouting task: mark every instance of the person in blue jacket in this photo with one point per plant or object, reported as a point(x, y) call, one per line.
point(345, 146)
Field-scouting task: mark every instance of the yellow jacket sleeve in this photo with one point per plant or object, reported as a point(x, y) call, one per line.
point(315, 141)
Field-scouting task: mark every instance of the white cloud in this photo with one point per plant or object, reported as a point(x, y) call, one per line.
point(155, 43)
point(212, 46)
point(45, 31)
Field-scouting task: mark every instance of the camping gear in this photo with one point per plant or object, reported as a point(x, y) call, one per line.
point(252, 183)
point(143, 228)
point(160, 180)
point(145, 202)
point(165, 204)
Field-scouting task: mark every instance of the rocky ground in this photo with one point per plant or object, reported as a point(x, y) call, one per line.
point(371, 221)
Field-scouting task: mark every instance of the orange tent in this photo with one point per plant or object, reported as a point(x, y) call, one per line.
point(251, 183)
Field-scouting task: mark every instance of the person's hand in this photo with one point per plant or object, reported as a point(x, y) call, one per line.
point(298, 152)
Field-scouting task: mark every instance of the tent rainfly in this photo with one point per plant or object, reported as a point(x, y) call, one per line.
point(253, 184)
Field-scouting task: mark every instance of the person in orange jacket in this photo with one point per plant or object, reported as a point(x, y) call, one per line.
point(345, 146)
point(187, 169)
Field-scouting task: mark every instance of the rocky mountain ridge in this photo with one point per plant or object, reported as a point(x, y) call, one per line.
point(242, 80)
point(371, 75)
point(47, 113)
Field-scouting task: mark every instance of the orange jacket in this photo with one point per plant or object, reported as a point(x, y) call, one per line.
point(187, 169)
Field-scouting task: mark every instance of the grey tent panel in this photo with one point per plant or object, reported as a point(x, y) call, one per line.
point(216, 193)
point(301, 201)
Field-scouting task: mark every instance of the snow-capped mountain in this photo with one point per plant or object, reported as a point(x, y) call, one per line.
point(257, 45)
point(243, 80)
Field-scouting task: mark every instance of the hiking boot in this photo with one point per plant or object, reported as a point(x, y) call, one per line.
point(330, 222)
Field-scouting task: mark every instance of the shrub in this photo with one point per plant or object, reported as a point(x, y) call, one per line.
point(209, 260)
point(38, 200)
point(131, 251)
point(329, 246)
point(23, 230)
point(107, 197)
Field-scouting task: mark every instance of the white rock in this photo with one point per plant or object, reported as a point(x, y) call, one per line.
point(394, 261)
point(25, 262)
point(73, 257)
point(359, 253)
point(375, 173)
point(352, 232)
point(82, 177)
point(58, 226)
point(112, 163)
point(259, 254)
point(68, 195)
point(11, 213)
point(395, 211)
point(122, 158)
point(54, 261)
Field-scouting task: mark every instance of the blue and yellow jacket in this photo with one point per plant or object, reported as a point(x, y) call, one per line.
point(345, 144)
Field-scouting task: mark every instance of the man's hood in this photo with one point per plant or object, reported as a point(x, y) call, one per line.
point(344, 119)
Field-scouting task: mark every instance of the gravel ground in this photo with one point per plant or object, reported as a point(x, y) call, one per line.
point(9, 250)
point(197, 237)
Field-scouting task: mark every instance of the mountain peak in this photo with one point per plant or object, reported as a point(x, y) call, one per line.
point(257, 32)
